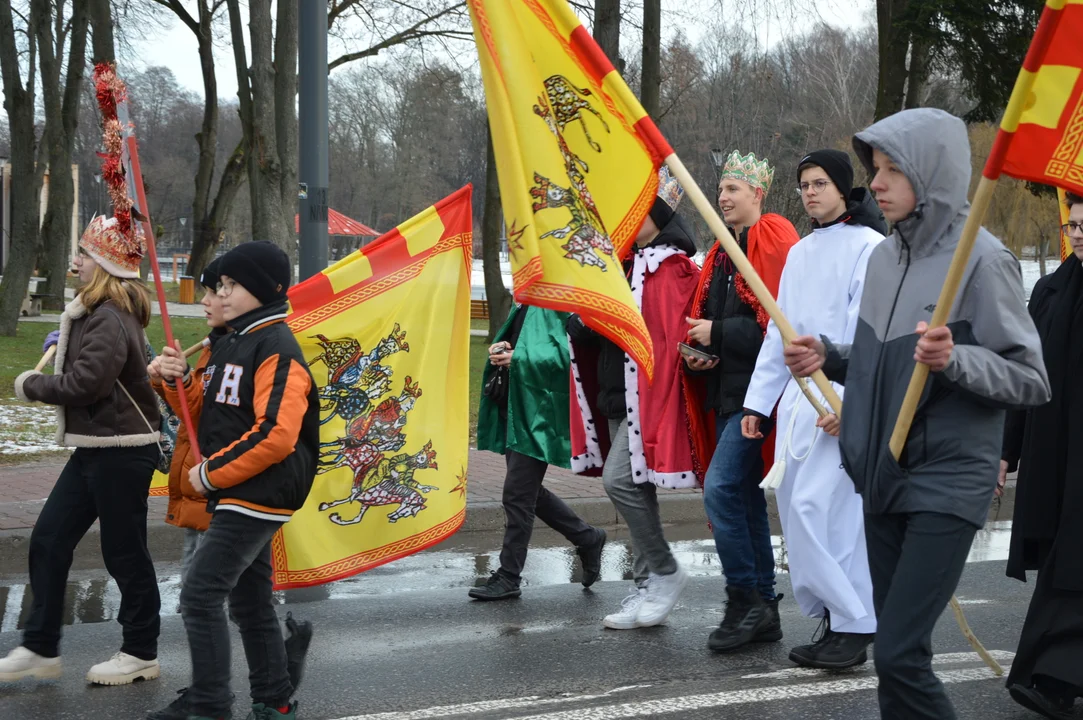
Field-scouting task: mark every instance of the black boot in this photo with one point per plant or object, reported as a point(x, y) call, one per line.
point(746, 616)
point(300, 635)
point(805, 655)
point(499, 587)
point(176, 710)
point(772, 629)
point(591, 558)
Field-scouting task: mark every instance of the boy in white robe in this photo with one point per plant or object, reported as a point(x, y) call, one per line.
point(821, 513)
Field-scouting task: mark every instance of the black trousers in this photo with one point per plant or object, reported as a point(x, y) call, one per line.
point(109, 485)
point(234, 562)
point(915, 561)
point(526, 498)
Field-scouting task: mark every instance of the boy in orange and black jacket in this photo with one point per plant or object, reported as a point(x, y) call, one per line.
point(259, 432)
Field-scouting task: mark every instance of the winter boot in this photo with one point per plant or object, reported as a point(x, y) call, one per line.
point(746, 616)
point(176, 710)
point(772, 629)
point(22, 663)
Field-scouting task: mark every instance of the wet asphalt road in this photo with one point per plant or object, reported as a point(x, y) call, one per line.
point(419, 649)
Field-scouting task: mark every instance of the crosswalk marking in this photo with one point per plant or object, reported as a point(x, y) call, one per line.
point(859, 681)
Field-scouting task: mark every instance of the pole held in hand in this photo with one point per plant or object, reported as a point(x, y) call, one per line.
point(46, 358)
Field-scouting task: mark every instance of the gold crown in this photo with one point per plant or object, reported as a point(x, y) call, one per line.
point(669, 188)
point(755, 172)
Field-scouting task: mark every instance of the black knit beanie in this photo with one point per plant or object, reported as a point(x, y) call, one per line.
point(260, 267)
point(836, 164)
point(209, 278)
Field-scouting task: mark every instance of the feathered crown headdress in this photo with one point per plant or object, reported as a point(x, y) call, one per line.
point(115, 240)
point(757, 173)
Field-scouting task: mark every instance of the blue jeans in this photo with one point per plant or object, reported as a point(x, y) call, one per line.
point(737, 509)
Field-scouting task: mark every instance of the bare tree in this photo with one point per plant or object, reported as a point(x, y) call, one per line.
point(61, 119)
point(651, 80)
point(25, 181)
point(607, 30)
point(498, 297)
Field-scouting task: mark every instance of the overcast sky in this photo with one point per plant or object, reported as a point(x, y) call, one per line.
point(175, 46)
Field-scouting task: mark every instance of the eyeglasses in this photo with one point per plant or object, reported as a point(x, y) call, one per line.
point(1071, 228)
point(225, 289)
point(818, 185)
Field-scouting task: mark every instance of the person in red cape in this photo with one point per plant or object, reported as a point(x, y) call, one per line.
point(728, 322)
point(640, 434)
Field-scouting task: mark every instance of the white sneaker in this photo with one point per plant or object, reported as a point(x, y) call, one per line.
point(625, 619)
point(22, 663)
point(123, 669)
point(662, 594)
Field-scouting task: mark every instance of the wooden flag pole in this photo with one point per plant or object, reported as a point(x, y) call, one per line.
point(49, 354)
point(196, 348)
point(707, 211)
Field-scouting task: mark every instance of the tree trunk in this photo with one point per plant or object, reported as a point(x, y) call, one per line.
point(497, 295)
point(207, 141)
point(918, 72)
point(286, 131)
point(61, 118)
point(207, 233)
point(101, 23)
point(258, 90)
point(1043, 249)
point(651, 82)
point(607, 30)
point(894, 42)
point(25, 186)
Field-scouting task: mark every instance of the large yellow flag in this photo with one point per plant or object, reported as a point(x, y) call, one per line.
point(577, 159)
point(386, 333)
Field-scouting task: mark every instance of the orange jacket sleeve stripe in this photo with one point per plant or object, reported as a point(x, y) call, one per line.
point(280, 402)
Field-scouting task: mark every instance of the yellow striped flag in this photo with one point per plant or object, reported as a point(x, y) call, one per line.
point(1065, 244)
point(577, 159)
point(386, 333)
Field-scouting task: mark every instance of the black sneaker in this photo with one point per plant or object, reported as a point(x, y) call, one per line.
point(300, 636)
point(499, 587)
point(1051, 706)
point(746, 616)
point(772, 629)
point(591, 558)
point(176, 710)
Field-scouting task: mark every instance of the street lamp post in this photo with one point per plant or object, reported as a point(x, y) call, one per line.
point(313, 174)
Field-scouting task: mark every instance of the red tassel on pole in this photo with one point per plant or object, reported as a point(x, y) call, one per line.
point(121, 176)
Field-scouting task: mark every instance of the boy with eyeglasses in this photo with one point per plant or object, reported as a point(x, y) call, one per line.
point(820, 511)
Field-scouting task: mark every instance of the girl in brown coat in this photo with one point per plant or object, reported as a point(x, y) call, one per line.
point(106, 410)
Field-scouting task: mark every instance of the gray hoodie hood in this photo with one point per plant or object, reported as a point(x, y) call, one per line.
point(932, 149)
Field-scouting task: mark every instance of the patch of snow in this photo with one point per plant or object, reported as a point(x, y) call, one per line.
point(35, 429)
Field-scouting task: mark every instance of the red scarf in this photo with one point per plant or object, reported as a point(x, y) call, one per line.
point(769, 242)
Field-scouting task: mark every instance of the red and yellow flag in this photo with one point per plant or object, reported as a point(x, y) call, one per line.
point(1041, 134)
point(1065, 244)
point(386, 333)
point(577, 159)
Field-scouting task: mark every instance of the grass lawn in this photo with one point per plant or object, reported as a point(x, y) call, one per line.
point(23, 351)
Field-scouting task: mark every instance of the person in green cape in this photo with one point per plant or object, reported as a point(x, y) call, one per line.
point(524, 416)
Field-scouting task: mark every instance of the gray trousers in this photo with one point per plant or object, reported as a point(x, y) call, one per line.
point(192, 540)
point(638, 505)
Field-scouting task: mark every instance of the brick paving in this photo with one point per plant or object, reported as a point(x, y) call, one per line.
point(23, 488)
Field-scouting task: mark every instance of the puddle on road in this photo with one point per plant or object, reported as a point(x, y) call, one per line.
point(92, 598)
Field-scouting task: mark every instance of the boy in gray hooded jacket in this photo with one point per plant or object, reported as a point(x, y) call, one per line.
point(923, 511)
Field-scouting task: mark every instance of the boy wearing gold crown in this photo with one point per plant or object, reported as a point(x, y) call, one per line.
point(642, 434)
point(728, 322)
